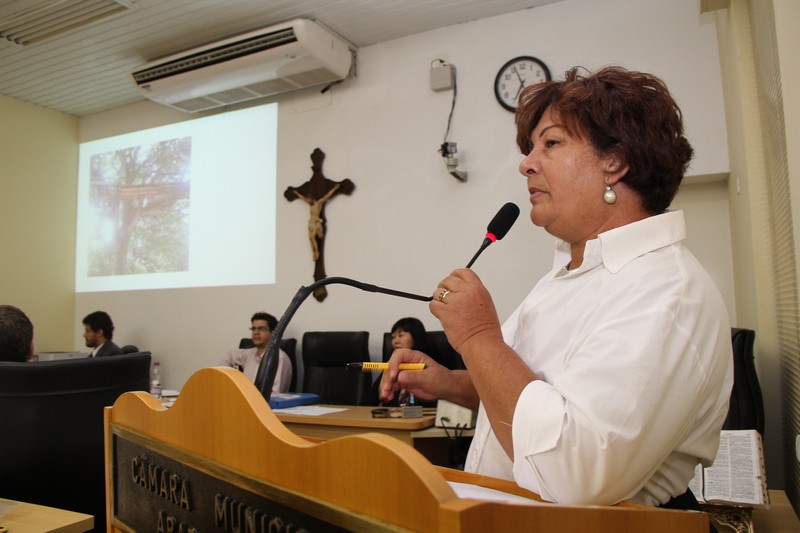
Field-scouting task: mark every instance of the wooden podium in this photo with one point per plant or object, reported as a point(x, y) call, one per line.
point(220, 460)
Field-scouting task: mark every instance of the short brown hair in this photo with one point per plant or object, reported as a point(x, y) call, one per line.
point(16, 334)
point(619, 112)
point(272, 322)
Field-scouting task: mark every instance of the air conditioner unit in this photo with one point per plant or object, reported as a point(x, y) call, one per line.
point(281, 58)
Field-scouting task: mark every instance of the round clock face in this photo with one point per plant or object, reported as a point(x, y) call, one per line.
point(515, 75)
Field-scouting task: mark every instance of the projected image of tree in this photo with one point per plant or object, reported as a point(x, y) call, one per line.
point(139, 197)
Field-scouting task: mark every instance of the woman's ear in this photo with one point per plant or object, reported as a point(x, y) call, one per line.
point(615, 168)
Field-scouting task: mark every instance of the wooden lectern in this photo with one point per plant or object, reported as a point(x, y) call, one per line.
point(220, 460)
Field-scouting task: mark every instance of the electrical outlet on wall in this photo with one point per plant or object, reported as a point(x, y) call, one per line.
point(442, 75)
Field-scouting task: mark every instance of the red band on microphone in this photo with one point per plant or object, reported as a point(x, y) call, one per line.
point(491, 237)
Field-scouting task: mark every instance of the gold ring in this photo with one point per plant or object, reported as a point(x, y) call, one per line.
point(442, 294)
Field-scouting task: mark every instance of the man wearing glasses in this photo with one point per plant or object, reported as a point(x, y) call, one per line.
point(248, 359)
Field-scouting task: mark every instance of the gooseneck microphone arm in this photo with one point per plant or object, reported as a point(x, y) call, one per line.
point(485, 244)
point(268, 367)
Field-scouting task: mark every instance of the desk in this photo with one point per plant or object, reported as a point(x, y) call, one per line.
point(420, 432)
point(780, 518)
point(32, 518)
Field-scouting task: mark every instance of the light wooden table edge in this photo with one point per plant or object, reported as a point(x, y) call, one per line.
point(33, 518)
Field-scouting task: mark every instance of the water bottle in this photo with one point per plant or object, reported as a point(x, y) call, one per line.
point(155, 385)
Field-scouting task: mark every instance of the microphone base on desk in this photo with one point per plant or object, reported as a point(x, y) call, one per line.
point(406, 411)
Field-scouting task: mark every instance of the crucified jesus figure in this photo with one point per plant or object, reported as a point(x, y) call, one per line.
point(316, 192)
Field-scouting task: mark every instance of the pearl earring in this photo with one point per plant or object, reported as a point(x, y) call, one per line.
point(609, 196)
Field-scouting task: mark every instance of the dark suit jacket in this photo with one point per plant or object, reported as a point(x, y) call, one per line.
point(108, 348)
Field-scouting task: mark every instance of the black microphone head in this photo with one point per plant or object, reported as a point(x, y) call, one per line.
point(503, 220)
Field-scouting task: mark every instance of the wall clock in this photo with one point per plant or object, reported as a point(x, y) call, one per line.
point(515, 75)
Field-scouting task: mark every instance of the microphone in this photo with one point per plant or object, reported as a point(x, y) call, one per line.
point(268, 367)
point(498, 227)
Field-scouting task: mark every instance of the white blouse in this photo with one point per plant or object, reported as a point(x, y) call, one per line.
point(633, 355)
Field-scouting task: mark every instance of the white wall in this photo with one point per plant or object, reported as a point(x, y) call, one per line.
point(408, 222)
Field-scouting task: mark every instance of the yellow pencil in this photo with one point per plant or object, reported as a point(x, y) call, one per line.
point(380, 367)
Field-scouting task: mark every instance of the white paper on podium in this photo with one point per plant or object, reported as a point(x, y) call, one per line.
point(476, 492)
point(311, 410)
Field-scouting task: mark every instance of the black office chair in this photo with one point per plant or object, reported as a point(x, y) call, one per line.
point(129, 348)
point(325, 372)
point(290, 347)
point(439, 348)
point(446, 355)
point(52, 448)
point(287, 345)
point(746, 408)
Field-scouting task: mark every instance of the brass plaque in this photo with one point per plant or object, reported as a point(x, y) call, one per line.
point(153, 492)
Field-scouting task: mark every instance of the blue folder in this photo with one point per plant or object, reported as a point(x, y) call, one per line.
point(281, 400)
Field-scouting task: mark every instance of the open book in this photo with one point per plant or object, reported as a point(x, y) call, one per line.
point(737, 476)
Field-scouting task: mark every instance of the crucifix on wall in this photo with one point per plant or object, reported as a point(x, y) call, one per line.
point(316, 192)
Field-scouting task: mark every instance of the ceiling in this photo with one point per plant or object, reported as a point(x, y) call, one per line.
point(84, 68)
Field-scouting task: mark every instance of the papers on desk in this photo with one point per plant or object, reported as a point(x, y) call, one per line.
point(168, 397)
point(466, 490)
point(6, 506)
point(312, 410)
point(168, 402)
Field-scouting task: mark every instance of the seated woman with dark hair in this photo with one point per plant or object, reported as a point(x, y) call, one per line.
point(408, 333)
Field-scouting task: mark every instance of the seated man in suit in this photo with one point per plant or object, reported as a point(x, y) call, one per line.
point(98, 332)
point(248, 360)
point(16, 335)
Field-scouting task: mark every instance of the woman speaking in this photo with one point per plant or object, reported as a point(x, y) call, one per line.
point(611, 379)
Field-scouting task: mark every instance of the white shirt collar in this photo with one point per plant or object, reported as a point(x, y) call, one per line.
point(617, 247)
